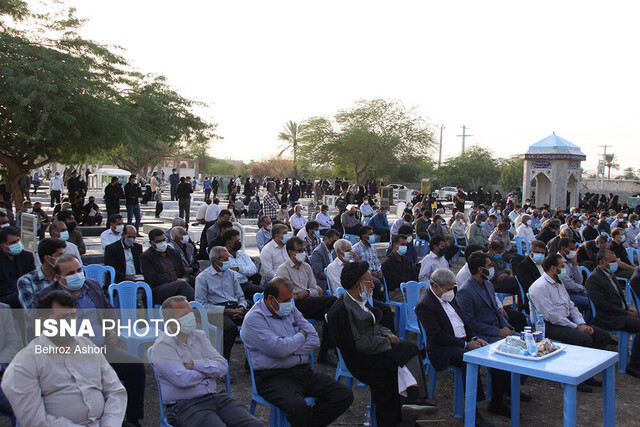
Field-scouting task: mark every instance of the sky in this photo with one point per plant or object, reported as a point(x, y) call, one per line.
point(512, 72)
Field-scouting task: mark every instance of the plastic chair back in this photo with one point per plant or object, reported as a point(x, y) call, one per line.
point(97, 272)
point(125, 298)
point(634, 255)
point(329, 288)
point(339, 293)
point(520, 240)
point(411, 294)
point(163, 418)
point(258, 296)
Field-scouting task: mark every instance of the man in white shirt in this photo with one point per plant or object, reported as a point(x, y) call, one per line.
point(61, 389)
point(434, 259)
point(56, 188)
point(213, 210)
point(297, 220)
point(344, 255)
point(366, 209)
point(274, 253)
point(58, 230)
point(525, 230)
point(114, 232)
point(458, 228)
point(324, 219)
point(241, 264)
point(202, 212)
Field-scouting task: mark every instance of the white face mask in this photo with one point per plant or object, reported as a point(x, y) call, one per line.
point(119, 228)
point(301, 257)
point(347, 256)
point(409, 239)
point(447, 296)
point(571, 254)
point(185, 239)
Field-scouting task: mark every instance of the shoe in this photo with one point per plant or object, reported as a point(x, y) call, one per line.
point(584, 388)
point(481, 422)
point(593, 382)
point(416, 411)
point(634, 372)
point(499, 408)
point(525, 397)
point(327, 359)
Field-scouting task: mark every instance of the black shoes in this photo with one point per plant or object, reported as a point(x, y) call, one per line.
point(584, 388)
point(418, 410)
point(481, 422)
point(593, 382)
point(634, 372)
point(327, 359)
point(499, 408)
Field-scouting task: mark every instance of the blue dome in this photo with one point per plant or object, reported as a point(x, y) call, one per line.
point(556, 147)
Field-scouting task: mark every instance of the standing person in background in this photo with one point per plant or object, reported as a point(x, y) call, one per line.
point(214, 186)
point(158, 199)
point(270, 203)
point(133, 193)
point(207, 187)
point(155, 183)
point(112, 195)
point(36, 181)
point(294, 193)
point(174, 180)
point(183, 191)
point(56, 188)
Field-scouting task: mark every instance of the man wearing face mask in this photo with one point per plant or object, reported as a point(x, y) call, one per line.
point(114, 232)
point(75, 235)
point(274, 253)
point(69, 277)
point(310, 235)
point(58, 230)
point(279, 340)
point(397, 268)
point(477, 301)
point(613, 312)
point(14, 263)
point(124, 256)
point(633, 229)
point(449, 337)
point(242, 264)
point(309, 297)
point(33, 282)
point(163, 270)
point(590, 232)
point(435, 258)
point(366, 209)
point(263, 236)
point(64, 389)
point(563, 321)
point(217, 287)
point(187, 368)
point(475, 233)
point(181, 243)
point(490, 225)
point(56, 188)
point(380, 224)
point(132, 194)
point(530, 269)
point(322, 256)
point(297, 220)
point(344, 255)
point(626, 268)
point(588, 251)
point(367, 252)
point(525, 230)
point(573, 279)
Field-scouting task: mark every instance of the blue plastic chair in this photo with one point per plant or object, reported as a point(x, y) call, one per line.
point(163, 417)
point(277, 417)
point(623, 343)
point(519, 240)
point(98, 272)
point(366, 220)
point(634, 255)
point(350, 237)
point(328, 291)
point(126, 303)
point(207, 327)
point(400, 317)
point(422, 246)
point(411, 295)
point(585, 270)
point(458, 380)
point(12, 419)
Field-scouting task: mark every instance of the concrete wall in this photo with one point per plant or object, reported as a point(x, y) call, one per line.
point(620, 187)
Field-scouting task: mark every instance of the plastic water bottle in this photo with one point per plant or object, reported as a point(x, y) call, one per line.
point(367, 416)
point(532, 348)
point(540, 326)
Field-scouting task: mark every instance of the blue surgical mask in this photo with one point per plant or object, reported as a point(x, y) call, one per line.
point(316, 233)
point(187, 323)
point(16, 248)
point(225, 266)
point(75, 281)
point(597, 246)
point(482, 223)
point(285, 308)
point(402, 250)
point(613, 267)
point(538, 258)
point(372, 239)
point(285, 238)
point(64, 236)
point(497, 256)
point(562, 274)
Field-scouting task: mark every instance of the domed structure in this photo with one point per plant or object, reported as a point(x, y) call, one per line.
point(554, 165)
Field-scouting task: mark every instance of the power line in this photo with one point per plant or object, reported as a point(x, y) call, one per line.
point(464, 136)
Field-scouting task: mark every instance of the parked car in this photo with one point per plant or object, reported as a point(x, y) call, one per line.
point(446, 193)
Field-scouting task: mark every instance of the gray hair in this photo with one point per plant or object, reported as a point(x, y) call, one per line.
point(178, 222)
point(174, 232)
point(277, 229)
point(167, 305)
point(443, 276)
point(341, 244)
point(526, 217)
point(214, 252)
point(459, 215)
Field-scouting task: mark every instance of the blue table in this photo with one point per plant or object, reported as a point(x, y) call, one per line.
point(571, 367)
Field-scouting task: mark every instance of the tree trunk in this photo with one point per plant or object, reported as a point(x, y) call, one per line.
point(295, 160)
point(609, 173)
point(13, 178)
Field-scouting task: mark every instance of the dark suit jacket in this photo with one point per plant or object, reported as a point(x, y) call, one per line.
point(546, 235)
point(590, 233)
point(480, 314)
point(25, 263)
point(320, 259)
point(150, 265)
point(442, 344)
point(527, 273)
point(611, 307)
point(114, 257)
point(587, 253)
point(93, 290)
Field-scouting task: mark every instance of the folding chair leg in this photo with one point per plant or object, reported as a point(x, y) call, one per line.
point(432, 381)
point(623, 346)
point(458, 394)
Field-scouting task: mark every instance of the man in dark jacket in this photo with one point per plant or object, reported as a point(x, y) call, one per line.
point(530, 269)
point(612, 311)
point(396, 268)
point(14, 263)
point(70, 278)
point(132, 195)
point(124, 255)
point(588, 251)
point(162, 269)
point(112, 195)
point(183, 191)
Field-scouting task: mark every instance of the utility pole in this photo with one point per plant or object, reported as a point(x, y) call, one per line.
point(440, 154)
point(604, 164)
point(464, 136)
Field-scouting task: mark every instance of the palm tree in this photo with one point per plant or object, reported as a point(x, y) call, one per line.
point(291, 135)
point(610, 162)
point(629, 173)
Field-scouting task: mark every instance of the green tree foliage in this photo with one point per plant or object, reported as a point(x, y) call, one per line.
point(292, 135)
point(475, 167)
point(66, 99)
point(511, 173)
point(611, 162)
point(629, 173)
point(376, 135)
